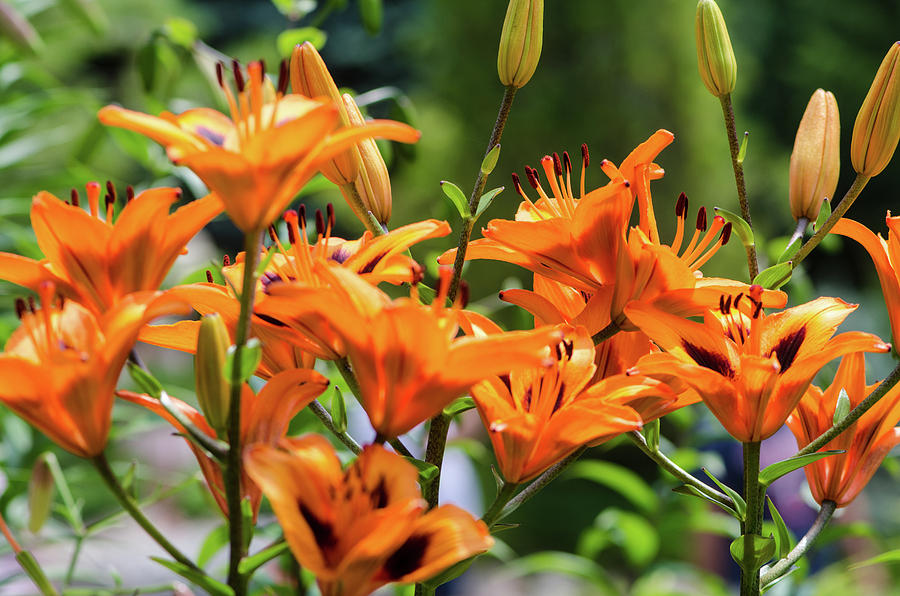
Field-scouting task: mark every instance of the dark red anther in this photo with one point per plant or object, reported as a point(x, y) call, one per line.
point(238, 75)
point(727, 305)
point(757, 310)
point(417, 273)
point(20, 308)
point(273, 235)
point(226, 260)
point(517, 183)
point(31, 305)
point(329, 210)
point(129, 193)
point(567, 162)
point(726, 233)
point(220, 74)
point(681, 205)
point(585, 156)
point(464, 293)
point(283, 77)
point(531, 174)
point(737, 299)
point(722, 303)
point(74, 196)
point(701, 219)
point(557, 164)
point(262, 69)
point(111, 191)
point(209, 277)
point(320, 223)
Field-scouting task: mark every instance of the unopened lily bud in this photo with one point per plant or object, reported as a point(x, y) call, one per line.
point(310, 77)
point(520, 42)
point(877, 127)
point(40, 494)
point(373, 182)
point(213, 389)
point(715, 58)
point(816, 159)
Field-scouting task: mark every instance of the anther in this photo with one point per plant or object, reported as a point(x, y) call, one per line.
point(727, 304)
point(282, 77)
point(531, 173)
point(20, 308)
point(737, 299)
point(585, 156)
point(701, 219)
point(417, 274)
point(110, 190)
point(110, 201)
point(517, 183)
point(226, 260)
point(726, 233)
point(74, 196)
point(273, 235)
point(238, 76)
point(262, 68)
point(569, 345)
point(722, 303)
point(557, 164)
point(209, 276)
point(291, 217)
point(681, 205)
point(31, 305)
point(320, 223)
point(329, 210)
point(129, 193)
point(220, 75)
point(567, 162)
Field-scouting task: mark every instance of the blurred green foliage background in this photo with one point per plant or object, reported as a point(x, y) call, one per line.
point(612, 72)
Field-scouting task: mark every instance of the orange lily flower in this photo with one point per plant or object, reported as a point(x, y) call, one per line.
point(364, 527)
point(886, 256)
point(750, 369)
point(867, 441)
point(538, 416)
point(265, 418)
point(406, 357)
point(99, 262)
point(257, 160)
point(376, 259)
point(60, 367)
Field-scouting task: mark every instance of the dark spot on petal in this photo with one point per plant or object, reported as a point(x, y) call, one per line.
point(526, 399)
point(340, 255)
point(322, 532)
point(270, 320)
point(505, 380)
point(786, 349)
point(407, 558)
point(707, 359)
point(559, 397)
point(379, 495)
point(370, 266)
point(210, 135)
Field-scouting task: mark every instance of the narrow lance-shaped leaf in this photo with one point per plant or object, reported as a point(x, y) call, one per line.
point(770, 474)
point(824, 213)
point(775, 276)
point(742, 152)
point(250, 357)
point(842, 408)
point(739, 503)
point(782, 535)
point(490, 160)
point(456, 197)
point(339, 410)
point(486, 199)
point(738, 225)
point(791, 249)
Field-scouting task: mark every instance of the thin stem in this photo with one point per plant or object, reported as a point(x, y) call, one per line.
point(233, 473)
point(752, 526)
point(738, 167)
point(677, 471)
point(605, 333)
point(76, 552)
point(784, 565)
point(858, 184)
point(160, 589)
point(539, 483)
point(323, 415)
point(504, 494)
point(434, 454)
point(886, 385)
point(799, 230)
point(359, 208)
point(477, 190)
point(131, 507)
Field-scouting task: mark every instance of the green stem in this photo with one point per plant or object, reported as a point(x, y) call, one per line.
point(752, 526)
point(131, 507)
point(858, 184)
point(323, 415)
point(233, 473)
point(784, 565)
point(504, 494)
point(539, 483)
point(76, 552)
point(434, 454)
point(738, 167)
point(365, 216)
point(678, 472)
point(469, 222)
point(605, 333)
point(160, 589)
point(886, 385)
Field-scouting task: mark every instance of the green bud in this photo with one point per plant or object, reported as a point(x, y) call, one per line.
point(213, 389)
point(520, 42)
point(877, 127)
point(40, 494)
point(715, 58)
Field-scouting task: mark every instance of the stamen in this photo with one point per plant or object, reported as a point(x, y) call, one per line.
point(238, 75)
point(320, 224)
point(557, 164)
point(718, 223)
point(209, 277)
point(681, 207)
point(701, 219)
point(226, 260)
point(282, 77)
point(567, 166)
point(296, 224)
point(74, 196)
point(232, 103)
point(31, 305)
point(129, 193)
point(220, 75)
point(93, 194)
point(20, 308)
point(585, 162)
point(273, 235)
point(110, 204)
point(726, 234)
point(551, 166)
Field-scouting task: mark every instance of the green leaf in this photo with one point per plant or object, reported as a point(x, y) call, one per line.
point(212, 544)
point(891, 556)
point(842, 408)
point(618, 478)
point(426, 293)
point(290, 38)
point(782, 535)
point(651, 434)
point(254, 562)
point(450, 573)
point(631, 532)
point(181, 32)
point(770, 474)
point(490, 160)
point(215, 588)
point(371, 12)
point(339, 410)
point(295, 10)
point(738, 225)
point(824, 213)
point(463, 404)
point(428, 473)
point(250, 357)
point(145, 381)
point(742, 152)
point(90, 12)
point(28, 563)
point(775, 276)
point(763, 549)
point(486, 199)
point(456, 197)
point(792, 248)
point(739, 503)
point(687, 489)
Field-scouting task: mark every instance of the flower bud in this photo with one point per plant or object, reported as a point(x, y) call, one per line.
point(40, 494)
point(715, 58)
point(310, 77)
point(213, 389)
point(816, 159)
point(877, 127)
point(520, 42)
point(373, 182)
